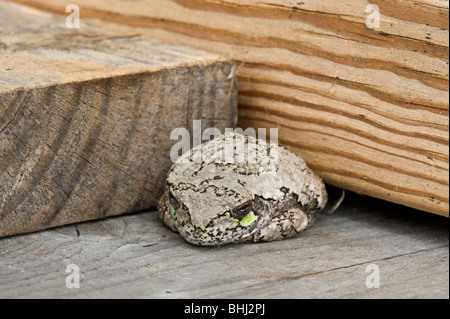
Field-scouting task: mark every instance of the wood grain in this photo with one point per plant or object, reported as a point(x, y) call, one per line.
point(367, 108)
point(86, 116)
point(136, 256)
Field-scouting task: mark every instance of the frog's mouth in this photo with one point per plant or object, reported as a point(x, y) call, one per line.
point(223, 230)
point(232, 226)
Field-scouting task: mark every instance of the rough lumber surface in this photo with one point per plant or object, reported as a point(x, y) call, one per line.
point(86, 116)
point(367, 108)
point(135, 256)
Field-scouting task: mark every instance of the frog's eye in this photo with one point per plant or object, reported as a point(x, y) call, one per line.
point(242, 211)
point(173, 201)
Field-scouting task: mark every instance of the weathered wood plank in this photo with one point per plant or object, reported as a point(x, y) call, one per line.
point(135, 256)
point(86, 116)
point(367, 108)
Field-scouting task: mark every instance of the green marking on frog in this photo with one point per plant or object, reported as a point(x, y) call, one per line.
point(173, 212)
point(248, 220)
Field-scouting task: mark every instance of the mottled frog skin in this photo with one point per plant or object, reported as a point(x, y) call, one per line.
point(216, 203)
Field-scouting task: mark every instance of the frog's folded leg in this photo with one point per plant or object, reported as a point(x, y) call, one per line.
point(284, 226)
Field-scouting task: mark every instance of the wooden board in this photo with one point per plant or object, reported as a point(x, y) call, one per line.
point(366, 107)
point(86, 117)
point(135, 256)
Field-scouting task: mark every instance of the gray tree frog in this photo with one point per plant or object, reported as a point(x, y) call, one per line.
point(271, 195)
